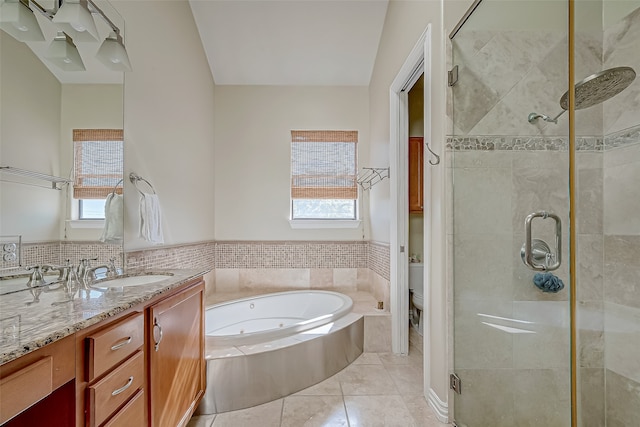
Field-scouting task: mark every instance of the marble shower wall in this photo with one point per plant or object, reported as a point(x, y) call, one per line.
point(503, 168)
point(505, 75)
point(621, 229)
point(510, 338)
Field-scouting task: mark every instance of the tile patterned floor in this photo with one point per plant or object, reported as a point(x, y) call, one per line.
point(377, 389)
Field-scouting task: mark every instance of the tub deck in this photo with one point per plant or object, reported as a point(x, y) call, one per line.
point(247, 375)
point(363, 302)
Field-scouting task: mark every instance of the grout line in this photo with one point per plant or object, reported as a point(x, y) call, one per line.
point(344, 405)
point(282, 411)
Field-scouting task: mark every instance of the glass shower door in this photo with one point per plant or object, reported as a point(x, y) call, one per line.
point(510, 319)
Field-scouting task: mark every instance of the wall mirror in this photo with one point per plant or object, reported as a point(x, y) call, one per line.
point(40, 106)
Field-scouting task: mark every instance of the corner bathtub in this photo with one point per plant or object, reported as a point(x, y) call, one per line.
point(266, 347)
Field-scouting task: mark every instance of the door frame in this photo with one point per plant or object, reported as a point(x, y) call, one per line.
point(418, 60)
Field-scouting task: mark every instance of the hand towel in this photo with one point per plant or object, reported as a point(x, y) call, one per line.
point(150, 218)
point(113, 219)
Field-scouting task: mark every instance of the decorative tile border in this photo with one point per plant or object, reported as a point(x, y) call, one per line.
point(538, 143)
point(291, 254)
point(628, 136)
point(57, 253)
point(195, 255)
point(223, 255)
point(380, 259)
point(521, 143)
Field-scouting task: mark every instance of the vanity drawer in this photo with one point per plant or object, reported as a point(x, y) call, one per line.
point(106, 348)
point(108, 394)
point(25, 387)
point(34, 376)
point(132, 414)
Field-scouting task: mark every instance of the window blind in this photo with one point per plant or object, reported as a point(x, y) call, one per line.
point(324, 164)
point(98, 162)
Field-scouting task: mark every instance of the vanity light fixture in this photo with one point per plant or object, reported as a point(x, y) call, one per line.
point(74, 18)
point(18, 20)
point(64, 54)
point(113, 54)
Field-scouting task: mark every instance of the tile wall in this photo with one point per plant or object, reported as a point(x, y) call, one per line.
point(57, 253)
point(504, 168)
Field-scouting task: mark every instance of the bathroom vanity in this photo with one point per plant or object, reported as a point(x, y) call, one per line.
point(119, 356)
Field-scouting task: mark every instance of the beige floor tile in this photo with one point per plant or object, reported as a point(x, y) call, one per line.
point(267, 415)
point(201, 421)
point(421, 412)
point(328, 387)
point(407, 378)
point(413, 358)
point(366, 380)
point(378, 411)
point(314, 411)
point(368, 359)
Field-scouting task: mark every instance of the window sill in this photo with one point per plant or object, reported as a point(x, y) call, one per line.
point(324, 223)
point(86, 223)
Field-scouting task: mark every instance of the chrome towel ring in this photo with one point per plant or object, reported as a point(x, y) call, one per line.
point(137, 178)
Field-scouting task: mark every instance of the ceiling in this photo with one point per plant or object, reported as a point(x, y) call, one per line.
point(290, 42)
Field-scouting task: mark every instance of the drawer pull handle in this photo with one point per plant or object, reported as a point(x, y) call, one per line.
point(123, 388)
point(122, 344)
point(157, 338)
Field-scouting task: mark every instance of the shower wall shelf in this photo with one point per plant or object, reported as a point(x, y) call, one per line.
point(371, 176)
point(54, 180)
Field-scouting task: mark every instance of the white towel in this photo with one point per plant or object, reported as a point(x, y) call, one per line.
point(150, 219)
point(113, 219)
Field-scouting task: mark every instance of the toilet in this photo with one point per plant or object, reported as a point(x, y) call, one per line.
point(416, 286)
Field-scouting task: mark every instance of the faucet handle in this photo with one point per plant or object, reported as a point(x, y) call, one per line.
point(62, 270)
point(36, 279)
point(86, 262)
point(112, 270)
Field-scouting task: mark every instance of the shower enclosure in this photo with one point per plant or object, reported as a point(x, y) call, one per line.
point(544, 234)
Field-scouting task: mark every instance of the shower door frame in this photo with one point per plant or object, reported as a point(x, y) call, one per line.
point(573, 350)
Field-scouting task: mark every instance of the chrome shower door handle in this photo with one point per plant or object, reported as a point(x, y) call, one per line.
point(535, 250)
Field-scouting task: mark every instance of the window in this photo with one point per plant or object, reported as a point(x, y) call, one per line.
point(324, 175)
point(98, 167)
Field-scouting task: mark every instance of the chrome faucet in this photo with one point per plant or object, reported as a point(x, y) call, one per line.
point(36, 278)
point(83, 266)
point(90, 274)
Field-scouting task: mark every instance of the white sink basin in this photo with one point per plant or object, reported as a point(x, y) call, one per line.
point(120, 282)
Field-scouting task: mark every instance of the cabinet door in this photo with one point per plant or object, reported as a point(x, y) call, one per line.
point(176, 357)
point(416, 165)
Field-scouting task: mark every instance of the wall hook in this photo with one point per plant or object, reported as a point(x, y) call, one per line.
point(437, 162)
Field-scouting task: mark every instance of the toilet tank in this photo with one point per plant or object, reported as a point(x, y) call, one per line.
point(416, 277)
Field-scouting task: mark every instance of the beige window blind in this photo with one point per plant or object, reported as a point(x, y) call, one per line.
point(324, 164)
point(98, 162)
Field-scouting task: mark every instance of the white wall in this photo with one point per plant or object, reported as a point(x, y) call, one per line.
point(405, 22)
point(253, 154)
point(168, 120)
point(83, 106)
point(29, 138)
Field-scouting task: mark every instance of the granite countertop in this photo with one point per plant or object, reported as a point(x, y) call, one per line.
point(29, 321)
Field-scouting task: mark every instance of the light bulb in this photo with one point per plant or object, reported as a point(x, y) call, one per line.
point(78, 27)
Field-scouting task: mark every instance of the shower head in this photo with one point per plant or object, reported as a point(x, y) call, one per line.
point(593, 90)
point(600, 87)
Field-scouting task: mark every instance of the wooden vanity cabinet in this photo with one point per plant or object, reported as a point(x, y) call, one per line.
point(416, 174)
point(176, 357)
point(37, 382)
point(111, 368)
point(145, 366)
